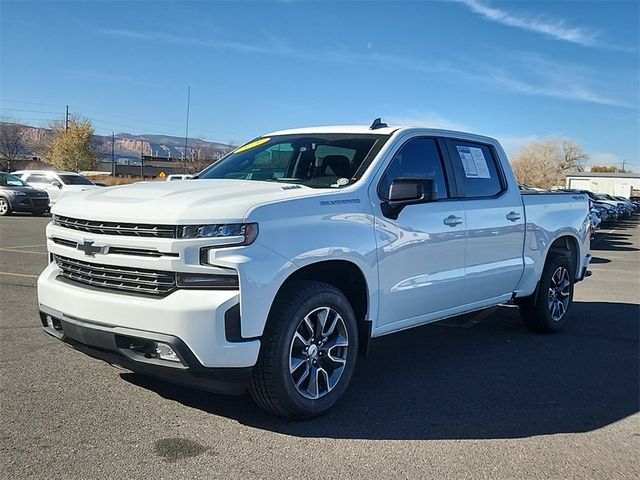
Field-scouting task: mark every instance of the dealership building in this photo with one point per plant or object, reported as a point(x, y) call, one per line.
point(618, 184)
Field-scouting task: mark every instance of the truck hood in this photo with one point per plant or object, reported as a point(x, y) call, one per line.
point(184, 202)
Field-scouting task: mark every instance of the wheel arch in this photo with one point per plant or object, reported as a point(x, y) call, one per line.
point(569, 246)
point(347, 277)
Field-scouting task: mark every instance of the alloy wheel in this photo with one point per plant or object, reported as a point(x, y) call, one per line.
point(559, 293)
point(318, 352)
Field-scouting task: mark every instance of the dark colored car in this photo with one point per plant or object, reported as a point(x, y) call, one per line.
point(17, 196)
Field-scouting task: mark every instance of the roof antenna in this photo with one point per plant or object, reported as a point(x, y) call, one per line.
point(377, 123)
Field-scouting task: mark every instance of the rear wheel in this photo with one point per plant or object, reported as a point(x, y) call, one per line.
point(38, 213)
point(308, 353)
point(547, 311)
point(5, 208)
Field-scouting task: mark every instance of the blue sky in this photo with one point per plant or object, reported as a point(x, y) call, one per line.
point(514, 70)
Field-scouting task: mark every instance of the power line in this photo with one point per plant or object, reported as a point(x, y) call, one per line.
point(30, 103)
point(27, 111)
point(99, 121)
point(146, 122)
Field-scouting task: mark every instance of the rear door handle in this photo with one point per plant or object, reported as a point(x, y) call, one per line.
point(513, 216)
point(452, 220)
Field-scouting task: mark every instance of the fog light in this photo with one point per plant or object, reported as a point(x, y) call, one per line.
point(165, 352)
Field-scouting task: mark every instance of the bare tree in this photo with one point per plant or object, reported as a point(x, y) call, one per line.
point(11, 143)
point(545, 163)
point(606, 169)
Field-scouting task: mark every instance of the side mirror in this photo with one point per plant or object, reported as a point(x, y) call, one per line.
point(56, 183)
point(407, 191)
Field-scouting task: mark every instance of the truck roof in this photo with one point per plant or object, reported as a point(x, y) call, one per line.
point(365, 129)
point(47, 172)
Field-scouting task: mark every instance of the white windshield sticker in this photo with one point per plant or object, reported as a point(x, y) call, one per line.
point(473, 162)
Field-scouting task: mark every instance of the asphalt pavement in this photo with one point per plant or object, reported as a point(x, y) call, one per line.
point(474, 397)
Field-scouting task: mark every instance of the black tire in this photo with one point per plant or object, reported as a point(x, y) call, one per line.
point(537, 311)
point(5, 207)
point(38, 213)
point(272, 385)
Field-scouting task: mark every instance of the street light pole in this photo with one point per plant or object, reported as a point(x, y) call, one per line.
point(186, 132)
point(113, 154)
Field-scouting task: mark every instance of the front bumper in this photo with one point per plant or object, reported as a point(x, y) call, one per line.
point(114, 348)
point(29, 204)
point(196, 317)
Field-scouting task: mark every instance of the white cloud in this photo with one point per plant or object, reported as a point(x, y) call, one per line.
point(512, 144)
point(534, 74)
point(558, 29)
point(428, 119)
point(527, 73)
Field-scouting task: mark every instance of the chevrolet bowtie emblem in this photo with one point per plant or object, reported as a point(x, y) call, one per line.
point(89, 248)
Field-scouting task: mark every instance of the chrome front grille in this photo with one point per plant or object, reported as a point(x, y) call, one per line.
point(124, 279)
point(116, 228)
point(138, 252)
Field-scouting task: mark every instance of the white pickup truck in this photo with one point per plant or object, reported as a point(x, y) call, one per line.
point(275, 267)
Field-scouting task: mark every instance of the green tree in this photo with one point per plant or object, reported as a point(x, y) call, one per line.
point(74, 148)
point(545, 163)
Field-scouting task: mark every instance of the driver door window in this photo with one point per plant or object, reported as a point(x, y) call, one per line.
point(418, 158)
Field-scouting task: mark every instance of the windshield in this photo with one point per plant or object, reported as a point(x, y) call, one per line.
point(75, 180)
point(319, 161)
point(11, 181)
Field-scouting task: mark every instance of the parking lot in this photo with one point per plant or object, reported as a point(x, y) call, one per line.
point(473, 397)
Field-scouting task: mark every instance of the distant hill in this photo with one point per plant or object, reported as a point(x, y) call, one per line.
point(131, 146)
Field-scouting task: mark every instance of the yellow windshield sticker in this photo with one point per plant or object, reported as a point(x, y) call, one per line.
point(251, 145)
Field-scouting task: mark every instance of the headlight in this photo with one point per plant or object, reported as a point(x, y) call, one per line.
point(230, 234)
point(17, 193)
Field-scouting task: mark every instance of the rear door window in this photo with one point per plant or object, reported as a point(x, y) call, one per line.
point(476, 169)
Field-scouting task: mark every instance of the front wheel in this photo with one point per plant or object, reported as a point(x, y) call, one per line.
point(5, 208)
point(308, 353)
point(546, 312)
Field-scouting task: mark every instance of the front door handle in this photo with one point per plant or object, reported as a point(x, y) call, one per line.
point(513, 216)
point(452, 220)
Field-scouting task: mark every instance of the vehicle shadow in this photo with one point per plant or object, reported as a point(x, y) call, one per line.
point(493, 379)
point(617, 239)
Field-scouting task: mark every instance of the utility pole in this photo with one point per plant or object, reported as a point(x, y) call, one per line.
point(142, 159)
point(624, 162)
point(186, 132)
point(66, 120)
point(113, 154)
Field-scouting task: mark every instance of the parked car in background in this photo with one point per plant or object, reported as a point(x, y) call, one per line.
point(634, 206)
point(17, 196)
point(56, 184)
point(594, 214)
point(604, 211)
point(181, 176)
